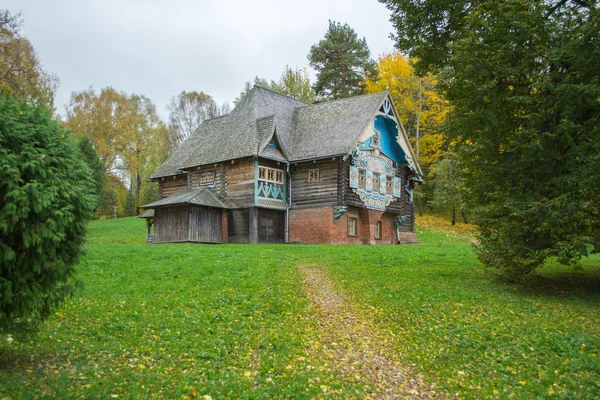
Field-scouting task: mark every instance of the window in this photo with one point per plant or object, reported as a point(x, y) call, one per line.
point(378, 226)
point(388, 184)
point(352, 223)
point(271, 175)
point(375, 140)
point(375, 181)
point(313, 175)
point(361, 178)
point(206, 178)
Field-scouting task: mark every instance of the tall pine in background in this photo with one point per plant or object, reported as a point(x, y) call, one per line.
point(342, 61)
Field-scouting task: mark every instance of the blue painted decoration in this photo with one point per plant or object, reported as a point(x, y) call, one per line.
point(369, 180)
point(388, 131)
point(353, 177)
point(396, 187)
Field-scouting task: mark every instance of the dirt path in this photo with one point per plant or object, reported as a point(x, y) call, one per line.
point(356, 347)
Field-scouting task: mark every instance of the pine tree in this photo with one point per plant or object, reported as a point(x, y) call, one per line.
point(46, 199)
point(342, 61)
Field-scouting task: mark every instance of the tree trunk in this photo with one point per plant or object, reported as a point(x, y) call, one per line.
point(453, 215)
point(464, 216)
point(138, 186)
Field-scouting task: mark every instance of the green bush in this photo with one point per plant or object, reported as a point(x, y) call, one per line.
point(46, 199)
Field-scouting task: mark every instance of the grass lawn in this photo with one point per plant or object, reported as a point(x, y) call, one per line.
point(232, 321)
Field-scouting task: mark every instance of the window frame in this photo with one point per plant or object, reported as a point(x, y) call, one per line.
point(271, 175)
point(362, 178)
point(378, 230)
point(376, 181)
point(312, 173)
point(389, 184)
point(355, 223)
point(375, 141)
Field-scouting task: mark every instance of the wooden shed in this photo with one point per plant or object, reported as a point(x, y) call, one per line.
point(195, 216)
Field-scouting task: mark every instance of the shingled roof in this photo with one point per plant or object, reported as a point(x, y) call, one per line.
point(237, 134)
point(333, 127)
point(303, 131)
point(200, 197)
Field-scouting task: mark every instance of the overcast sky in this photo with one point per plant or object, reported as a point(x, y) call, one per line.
point(160, 47)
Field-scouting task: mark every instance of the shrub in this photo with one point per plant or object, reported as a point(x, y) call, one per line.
point(46, 199)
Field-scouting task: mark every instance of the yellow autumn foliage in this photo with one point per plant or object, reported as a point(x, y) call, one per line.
point(397, 76)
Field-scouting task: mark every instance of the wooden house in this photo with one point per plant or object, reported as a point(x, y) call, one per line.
point(279, 170)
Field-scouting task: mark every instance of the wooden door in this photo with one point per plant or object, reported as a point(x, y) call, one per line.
point(267, 232)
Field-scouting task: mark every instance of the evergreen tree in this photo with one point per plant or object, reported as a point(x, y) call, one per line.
point(523, 81)
point(342, 61)
point(86, 147)
point(46, 199)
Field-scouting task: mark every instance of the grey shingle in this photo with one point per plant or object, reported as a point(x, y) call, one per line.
point(201, 197)
point(333, 127)
point(303, 131)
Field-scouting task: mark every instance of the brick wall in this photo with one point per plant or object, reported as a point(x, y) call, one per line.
point(316, 225)
point(311, 225)
point(224, 232)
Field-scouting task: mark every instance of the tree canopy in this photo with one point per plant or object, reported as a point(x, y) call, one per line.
point(21, 71)
point(46, 198)
point(188, 110)
point(127, 133)
point(342, 61)
point(292, 82)
point(523, 81)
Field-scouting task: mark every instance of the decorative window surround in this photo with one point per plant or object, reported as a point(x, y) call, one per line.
point(313, 175)
point(271, 175)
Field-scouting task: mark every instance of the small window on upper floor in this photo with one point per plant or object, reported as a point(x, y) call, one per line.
point(361, 178)
point(376, 181)
point(375, 140)
point(272, 143)
point(271, 175)
point(313, 175)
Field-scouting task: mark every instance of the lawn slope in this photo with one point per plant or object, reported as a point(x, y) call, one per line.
point(232, 321)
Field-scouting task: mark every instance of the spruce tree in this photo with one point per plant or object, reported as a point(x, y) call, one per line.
point(342, 61)
point(46, 199)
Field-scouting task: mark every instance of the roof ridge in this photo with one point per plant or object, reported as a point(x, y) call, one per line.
point(281, 94)
point(346, 99)
point(213, 118)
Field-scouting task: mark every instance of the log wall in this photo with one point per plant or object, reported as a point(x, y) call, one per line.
point(240, 182)
point(220, 177)
point(314, 194)
point(171, 184)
